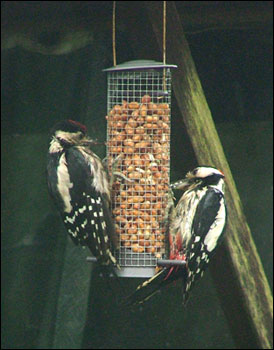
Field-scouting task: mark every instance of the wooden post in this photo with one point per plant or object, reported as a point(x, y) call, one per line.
point(240, 279)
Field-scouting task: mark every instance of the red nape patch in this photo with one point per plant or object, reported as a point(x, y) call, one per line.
point(221, 172)
point(81, 126)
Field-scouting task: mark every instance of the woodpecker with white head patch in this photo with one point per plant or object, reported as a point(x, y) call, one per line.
point(199, 221)
point(80, 188)
point(196, 228)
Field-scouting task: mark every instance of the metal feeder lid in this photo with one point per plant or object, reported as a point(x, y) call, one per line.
point(139, 64)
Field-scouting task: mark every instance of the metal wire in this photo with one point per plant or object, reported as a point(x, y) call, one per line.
point(159, 262)
point(164, 43)
point(140, 131)
point(114, 32)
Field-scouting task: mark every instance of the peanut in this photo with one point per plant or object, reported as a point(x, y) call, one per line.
point(141, 132)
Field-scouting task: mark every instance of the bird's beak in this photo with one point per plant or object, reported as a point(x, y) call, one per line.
point(94, 142)
point(181, 184)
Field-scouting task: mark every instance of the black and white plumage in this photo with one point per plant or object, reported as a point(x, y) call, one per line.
point(80, 188)
point(199, 221)
point(196, 229)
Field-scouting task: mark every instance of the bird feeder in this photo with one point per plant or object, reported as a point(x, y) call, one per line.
point(138, 131)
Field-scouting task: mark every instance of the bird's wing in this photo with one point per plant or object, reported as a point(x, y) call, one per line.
point(93, 227)
point(206, 232)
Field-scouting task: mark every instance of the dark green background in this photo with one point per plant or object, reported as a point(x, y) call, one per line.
point(51, 297)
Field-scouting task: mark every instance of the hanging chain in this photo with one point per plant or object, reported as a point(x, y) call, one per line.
point(114, 33)
point(164, 32)
point(164, 39)
point(164, 44)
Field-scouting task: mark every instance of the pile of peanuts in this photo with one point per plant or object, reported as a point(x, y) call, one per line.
point(140, 133)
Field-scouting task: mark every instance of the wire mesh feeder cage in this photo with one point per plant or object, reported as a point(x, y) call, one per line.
point(138, 129)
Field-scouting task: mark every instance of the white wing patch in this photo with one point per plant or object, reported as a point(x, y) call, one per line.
point(216, 228)
point(64, 184)
point(188, 200)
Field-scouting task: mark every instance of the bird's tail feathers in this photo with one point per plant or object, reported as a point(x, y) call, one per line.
point(148, 288)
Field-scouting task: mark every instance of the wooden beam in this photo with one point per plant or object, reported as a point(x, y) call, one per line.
point(56, 28)
point(225, 16)
point(72, 306)
point(240, 279)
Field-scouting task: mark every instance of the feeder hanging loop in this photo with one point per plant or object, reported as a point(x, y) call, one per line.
point(114, 32)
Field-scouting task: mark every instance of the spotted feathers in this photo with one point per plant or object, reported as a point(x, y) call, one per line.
point(79, 186)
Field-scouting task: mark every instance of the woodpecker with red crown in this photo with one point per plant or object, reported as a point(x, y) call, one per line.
point(80, 188)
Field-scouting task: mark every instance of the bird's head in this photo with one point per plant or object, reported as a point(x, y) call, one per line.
point(204, 175)
point(68, 132)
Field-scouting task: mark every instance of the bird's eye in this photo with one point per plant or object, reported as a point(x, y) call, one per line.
point(194, 172)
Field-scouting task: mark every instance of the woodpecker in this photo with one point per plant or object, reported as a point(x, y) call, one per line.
point(80, 188)
point(196, 229)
